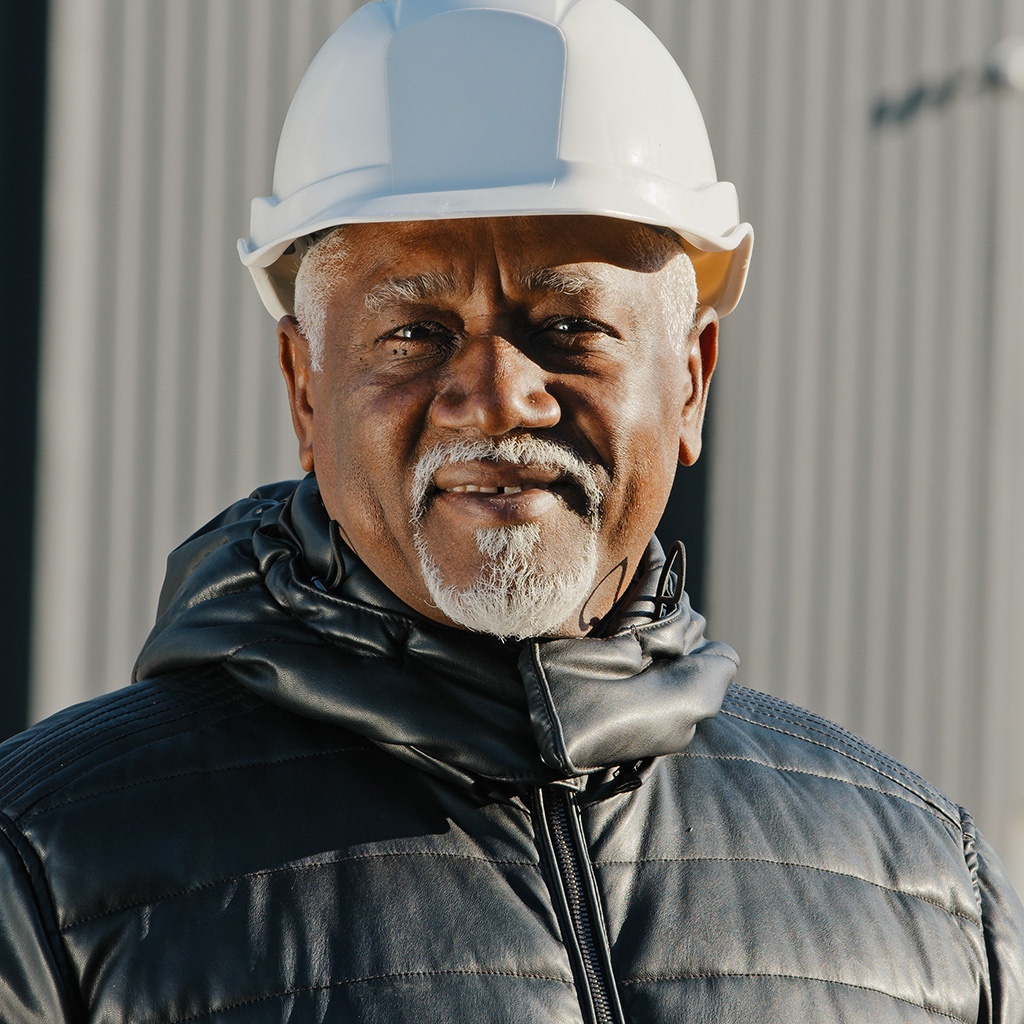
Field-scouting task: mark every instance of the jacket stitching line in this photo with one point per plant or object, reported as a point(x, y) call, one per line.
point(935, 809)
point(369, 978)
point(193, 697)
point(312, 865)
point(756, 702)
point(50, 742)
point(972, 860)
point(921, 805)
point(42, 807)
point(796, 977)
point(132, 732)
point(70, 735)
point(770, 710)
point(37, 780)
point(794, 864)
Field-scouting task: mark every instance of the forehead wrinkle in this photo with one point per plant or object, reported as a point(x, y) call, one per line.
point(432, 284)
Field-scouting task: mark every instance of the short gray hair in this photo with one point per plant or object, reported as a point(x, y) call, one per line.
point(655, 248)
point(322, 264)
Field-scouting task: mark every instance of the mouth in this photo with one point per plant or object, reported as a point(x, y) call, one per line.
point(503, 491)
point(511, 480)
point(486, 477)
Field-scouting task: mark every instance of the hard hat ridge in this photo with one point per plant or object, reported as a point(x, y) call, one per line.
point(435, 109)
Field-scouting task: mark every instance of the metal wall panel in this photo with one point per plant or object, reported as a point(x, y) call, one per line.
point(867, 487)
point(162, 401)
point(867, 480)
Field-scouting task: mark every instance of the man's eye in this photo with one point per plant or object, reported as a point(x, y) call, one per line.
point(420, 338)
point(571, 330)
point(572, 326)
point(425, 331)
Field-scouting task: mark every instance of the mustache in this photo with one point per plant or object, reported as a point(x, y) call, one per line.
point(524, 450)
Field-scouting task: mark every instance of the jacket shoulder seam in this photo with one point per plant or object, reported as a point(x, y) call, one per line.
point(919, 804)
point(775, 707)
point(873, 760)
point(44, 805)
point(54, 752)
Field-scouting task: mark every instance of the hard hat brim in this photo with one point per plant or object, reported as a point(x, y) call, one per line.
point(704, 218)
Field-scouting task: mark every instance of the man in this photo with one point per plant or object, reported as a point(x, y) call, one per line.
point(433, 734)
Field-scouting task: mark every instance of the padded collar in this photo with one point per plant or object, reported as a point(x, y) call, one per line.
point(270, 591)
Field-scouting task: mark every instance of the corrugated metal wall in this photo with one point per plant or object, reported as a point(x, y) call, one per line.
point(867, 485)
point(162, 399)
point(866, 552)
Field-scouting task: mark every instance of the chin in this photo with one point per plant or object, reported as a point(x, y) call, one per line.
point(508, 595)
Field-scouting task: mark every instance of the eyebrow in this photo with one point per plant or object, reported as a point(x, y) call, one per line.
point(562, 282)
point(417, 288)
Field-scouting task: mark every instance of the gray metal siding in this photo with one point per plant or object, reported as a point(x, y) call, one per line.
point(867, 486)
point(162, 401)
point(865, 551)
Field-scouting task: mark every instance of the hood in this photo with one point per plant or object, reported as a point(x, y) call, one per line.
point(269, 591)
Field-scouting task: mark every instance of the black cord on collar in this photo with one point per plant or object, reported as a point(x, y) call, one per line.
point(667, 600)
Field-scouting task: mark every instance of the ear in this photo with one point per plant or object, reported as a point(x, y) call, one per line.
point(701, 356)
point(293, 356)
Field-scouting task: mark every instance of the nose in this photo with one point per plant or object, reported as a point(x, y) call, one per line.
point(494, 387)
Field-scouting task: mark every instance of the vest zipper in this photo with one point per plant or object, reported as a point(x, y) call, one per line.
point(564, 851)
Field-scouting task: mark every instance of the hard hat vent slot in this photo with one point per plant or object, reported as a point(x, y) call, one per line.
point(478, 91)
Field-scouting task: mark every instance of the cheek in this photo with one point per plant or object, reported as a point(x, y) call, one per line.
point(338, 448)
point(645, 452)
point(650, 469)
point(363, 457)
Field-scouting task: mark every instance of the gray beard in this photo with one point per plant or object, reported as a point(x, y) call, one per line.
point(510, 598)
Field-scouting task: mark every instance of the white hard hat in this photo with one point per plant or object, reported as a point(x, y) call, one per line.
point(435, 109)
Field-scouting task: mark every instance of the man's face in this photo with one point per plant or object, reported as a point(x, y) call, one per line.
point(503, 390)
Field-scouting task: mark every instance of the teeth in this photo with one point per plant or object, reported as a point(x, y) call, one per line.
point(475, 489)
